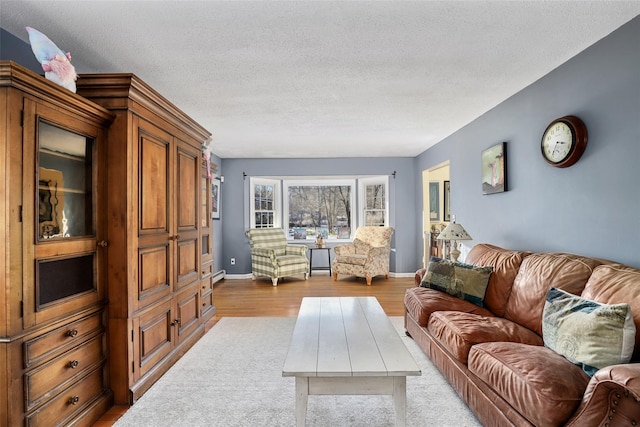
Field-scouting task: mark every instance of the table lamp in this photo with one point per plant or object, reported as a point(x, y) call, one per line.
point(454, 232)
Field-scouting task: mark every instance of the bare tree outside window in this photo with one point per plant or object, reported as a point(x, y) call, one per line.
point(264, 206)
point(320, 210)
point(374, 212)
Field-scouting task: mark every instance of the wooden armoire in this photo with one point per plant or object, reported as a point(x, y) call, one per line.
point(53, 254)
point(105, 244)
point(159, 231)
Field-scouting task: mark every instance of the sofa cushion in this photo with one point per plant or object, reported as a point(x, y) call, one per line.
point(458, 331)
point(537, 274)
point(613, 284)
point(541, 385)
point(420, 302)
point(458, 279)
point(506, 264)
point(590, 334)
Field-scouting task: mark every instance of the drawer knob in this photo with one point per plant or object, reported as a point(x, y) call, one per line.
point(103, 243)
point(73, 364)
point(73, 400)
point(72, 333)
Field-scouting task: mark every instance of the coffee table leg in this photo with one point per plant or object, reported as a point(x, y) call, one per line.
point(302, 396)
point(400, 400)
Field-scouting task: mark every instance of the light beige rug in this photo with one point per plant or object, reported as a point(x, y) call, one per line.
point(233, 377)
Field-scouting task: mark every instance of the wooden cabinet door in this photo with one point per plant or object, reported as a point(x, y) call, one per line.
point(154, 212)
point(188, 171)
point(153, 338)
point(62, 213)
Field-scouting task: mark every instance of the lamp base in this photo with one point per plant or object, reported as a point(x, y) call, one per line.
point(455, 253)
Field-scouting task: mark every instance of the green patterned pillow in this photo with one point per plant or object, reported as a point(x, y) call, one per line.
point(588, 333)
point(461, 280)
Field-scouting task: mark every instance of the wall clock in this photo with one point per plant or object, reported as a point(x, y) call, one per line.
point(564, 141)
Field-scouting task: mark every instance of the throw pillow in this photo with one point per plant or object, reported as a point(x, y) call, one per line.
point(361, 247)
point(588, 333)
point(458, 279)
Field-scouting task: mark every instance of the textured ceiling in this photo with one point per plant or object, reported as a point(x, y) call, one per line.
point(324, 79)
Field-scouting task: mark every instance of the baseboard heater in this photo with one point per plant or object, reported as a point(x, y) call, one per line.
point(219, 276)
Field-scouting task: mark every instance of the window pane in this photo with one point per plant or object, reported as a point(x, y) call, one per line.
point(374, 218)
point(319, 210)
point(65, 183)
point(375, 196)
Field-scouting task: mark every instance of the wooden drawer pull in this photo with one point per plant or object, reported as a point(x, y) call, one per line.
point(72, 333)
point(73, 400)
point(73, 364)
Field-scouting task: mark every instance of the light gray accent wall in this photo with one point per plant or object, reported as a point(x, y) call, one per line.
point(14, 49)
point(591, 208)
point(235, 201)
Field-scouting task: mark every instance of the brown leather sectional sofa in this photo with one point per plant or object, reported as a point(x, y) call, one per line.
point(494, 356)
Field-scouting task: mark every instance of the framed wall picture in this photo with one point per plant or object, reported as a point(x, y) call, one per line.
point(494, 169)
point(446, 215)
point(215, 198)
point(434, 201)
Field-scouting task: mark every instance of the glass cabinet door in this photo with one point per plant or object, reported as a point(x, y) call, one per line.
point(65, 183)
point(64, 264)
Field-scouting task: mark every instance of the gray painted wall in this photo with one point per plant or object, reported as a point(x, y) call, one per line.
point(235, 199)
point(546, 209)
point(14, 49)
point(591, 208)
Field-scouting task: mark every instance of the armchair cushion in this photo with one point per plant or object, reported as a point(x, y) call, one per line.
point(361, 247)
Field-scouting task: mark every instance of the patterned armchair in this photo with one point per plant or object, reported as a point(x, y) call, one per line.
point(271, 255)
point(367, 256)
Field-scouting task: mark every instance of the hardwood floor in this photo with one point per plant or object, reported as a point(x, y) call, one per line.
point(248, 298)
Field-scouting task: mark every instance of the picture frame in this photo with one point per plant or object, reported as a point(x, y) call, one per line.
point(446, 210)
point(215, 198)
point(434, 201)
point(494, 169)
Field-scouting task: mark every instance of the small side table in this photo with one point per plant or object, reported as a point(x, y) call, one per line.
point(311, 259)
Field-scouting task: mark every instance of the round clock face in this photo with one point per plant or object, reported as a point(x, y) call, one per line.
point(564, 141)
point(557, 142)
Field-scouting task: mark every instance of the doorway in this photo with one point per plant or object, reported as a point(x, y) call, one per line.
point(435, 208)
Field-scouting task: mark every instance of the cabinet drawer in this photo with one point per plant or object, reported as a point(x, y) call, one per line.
point(206, 285)
point(206, 301)
point(69, 402)
point(60, 339)
point(42, 383)
point(207, 270)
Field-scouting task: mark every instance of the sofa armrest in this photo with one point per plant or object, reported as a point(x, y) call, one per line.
point(613, 395)
point(419, 276)
point(296, 250)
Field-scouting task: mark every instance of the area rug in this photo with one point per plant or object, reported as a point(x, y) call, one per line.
point(233, 377)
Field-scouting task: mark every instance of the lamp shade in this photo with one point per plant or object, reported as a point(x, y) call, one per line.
point(454, 231)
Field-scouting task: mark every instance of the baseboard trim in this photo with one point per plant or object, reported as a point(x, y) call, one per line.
point(248, 276)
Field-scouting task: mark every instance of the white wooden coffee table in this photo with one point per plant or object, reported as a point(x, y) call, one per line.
point(347, 346)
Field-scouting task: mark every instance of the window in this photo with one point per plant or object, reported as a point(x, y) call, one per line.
point(319, 207)
point(374, 201)
point(308, 207)
point(265, 206)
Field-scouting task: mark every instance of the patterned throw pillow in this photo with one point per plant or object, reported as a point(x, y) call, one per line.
point(588, 333)
point(361, 247)
point(461, 280)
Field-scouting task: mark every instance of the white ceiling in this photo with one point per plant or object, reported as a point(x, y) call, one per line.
point(324, 78)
